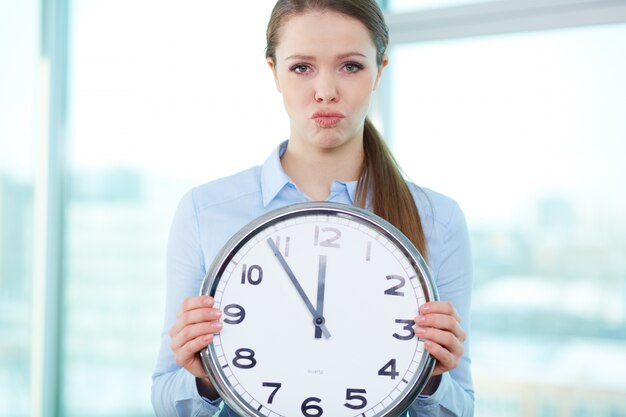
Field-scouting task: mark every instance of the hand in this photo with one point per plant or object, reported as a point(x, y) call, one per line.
point(439, 325)
point(318, 318)
point(321, 282)
point(196, 322)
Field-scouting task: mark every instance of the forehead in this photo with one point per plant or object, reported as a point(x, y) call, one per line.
point(323, 33)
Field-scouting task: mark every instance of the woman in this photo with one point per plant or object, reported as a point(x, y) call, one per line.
point(327, 58)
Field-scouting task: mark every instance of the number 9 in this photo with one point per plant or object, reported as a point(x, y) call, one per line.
point(236, 311)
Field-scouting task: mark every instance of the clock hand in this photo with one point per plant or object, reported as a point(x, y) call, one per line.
point(321, 282)
point(318, 318)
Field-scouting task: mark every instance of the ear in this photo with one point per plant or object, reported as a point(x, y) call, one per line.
point(381, 67)
point(270, 63)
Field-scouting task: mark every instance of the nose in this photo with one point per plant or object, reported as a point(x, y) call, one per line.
point(326, 89)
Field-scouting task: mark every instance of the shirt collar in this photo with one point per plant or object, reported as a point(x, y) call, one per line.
point(338, 187)
point(274, 179)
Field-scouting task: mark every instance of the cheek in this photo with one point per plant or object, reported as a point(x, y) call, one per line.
point(360, 91)
point(362, 97)
point(294, 98)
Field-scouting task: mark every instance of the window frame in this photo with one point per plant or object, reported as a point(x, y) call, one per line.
point(50, 212)
point(500, 17)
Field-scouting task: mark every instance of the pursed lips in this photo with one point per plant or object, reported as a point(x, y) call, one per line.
point(327, 119)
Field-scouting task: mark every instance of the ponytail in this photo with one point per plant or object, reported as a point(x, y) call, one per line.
point(390, 197)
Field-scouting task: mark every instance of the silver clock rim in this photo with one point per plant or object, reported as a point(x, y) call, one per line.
point(214, 273)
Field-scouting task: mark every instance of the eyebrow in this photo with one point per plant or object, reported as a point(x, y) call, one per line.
point(312, 58)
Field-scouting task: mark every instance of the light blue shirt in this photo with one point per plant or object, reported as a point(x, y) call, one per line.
point(210, 214)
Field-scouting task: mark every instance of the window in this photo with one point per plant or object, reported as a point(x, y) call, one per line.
point(155, 105)
point(527, 132)
point(19, 107)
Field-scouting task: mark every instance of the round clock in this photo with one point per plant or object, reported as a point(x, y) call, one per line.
point(318, 302)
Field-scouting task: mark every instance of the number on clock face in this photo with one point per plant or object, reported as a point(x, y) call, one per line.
point(244, 358)
point(311, 319)
point(252, 275)
point(235, 314)
point(330, 237)
point(276, 386)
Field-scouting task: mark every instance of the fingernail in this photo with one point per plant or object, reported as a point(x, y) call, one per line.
point(419, 330)
point(217, 325)
point(421, 319)
point(208, 300)
point(425, 308)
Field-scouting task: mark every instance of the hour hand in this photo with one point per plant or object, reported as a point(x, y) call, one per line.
point(318, 319)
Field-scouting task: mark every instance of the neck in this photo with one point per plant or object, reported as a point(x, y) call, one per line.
point(313, 169)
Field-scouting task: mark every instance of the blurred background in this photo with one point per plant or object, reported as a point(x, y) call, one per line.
point(111, 110)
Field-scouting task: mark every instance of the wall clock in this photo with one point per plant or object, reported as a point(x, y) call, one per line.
point(318, 302)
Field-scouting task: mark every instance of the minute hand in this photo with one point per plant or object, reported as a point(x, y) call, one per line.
point(296, 284)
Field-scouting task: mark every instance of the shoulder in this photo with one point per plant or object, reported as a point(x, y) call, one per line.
point(436, 208)
point(446, 234)
point(443, 223)
point(224, 190)
point(209, 214)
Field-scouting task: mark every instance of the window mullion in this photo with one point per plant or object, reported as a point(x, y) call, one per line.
point(46, 380)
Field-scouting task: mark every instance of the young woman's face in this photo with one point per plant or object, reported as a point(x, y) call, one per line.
point(326, 71)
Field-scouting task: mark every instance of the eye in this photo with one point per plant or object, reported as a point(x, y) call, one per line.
point(353, 67)
point(300, 68)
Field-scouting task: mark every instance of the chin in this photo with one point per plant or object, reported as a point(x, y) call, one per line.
point(329, 143)
point(329, 140)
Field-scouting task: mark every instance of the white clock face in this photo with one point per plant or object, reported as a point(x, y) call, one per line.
point(361, 359)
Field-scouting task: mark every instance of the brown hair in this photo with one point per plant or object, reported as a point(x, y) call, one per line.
point(381, 178)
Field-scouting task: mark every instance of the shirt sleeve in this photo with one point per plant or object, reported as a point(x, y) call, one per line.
point(174, 391)
point(452, 268)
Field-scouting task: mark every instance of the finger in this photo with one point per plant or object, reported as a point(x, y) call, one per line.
point(440, 307)
point(194, 331)
point(199, 301)
point(446, 361)
point(198, 315)
point(186, 355)
point(191, 303)
point(442, 338)
point(442, 322)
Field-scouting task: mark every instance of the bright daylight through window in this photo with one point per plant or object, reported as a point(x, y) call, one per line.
point(527, 132)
